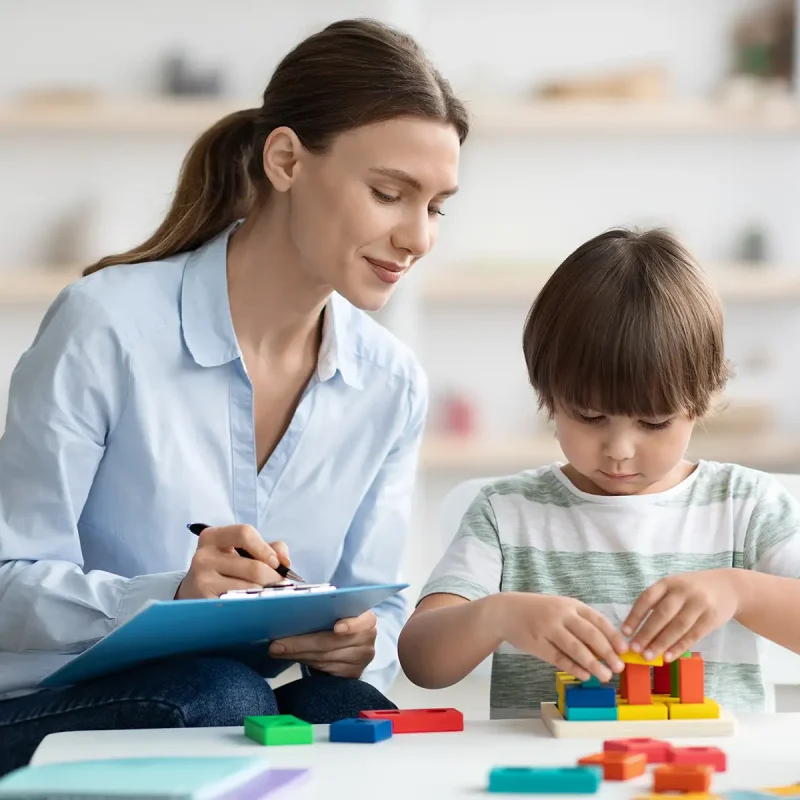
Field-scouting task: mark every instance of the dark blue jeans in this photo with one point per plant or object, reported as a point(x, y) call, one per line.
point(193, 692)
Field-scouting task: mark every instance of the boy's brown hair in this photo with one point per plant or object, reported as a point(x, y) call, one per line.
point(627, 325)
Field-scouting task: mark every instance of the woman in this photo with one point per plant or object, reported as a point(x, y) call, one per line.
point(225, 372)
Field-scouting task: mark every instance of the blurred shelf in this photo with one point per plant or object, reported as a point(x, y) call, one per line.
point(188, 115)
point(34, 285)
point(735, 282)
point(630, 116)
point(160, 115)
point(496, 456)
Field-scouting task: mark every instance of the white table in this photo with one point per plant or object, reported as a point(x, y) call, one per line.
point(764, 752)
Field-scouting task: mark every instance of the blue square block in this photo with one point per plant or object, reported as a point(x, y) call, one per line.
point(598, 713)
point(590, 697)
point(545, 780)
point(361, 731)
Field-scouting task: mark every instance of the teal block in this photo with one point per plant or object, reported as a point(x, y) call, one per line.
point(593, 681)
point(601, 713)
point(545, 780)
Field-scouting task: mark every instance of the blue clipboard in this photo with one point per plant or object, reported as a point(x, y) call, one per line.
point(178, 627)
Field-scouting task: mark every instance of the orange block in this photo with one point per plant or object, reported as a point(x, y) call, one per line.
point(617, 765)
point(682, 778)
point(691, 679)
point(638, 684)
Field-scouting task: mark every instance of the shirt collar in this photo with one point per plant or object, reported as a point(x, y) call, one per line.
point(208, 327)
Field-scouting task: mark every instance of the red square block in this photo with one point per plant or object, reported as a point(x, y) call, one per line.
point(656, 751)
point(685, 778)
point(662, 683)
point(420, 720)
point(712, 756)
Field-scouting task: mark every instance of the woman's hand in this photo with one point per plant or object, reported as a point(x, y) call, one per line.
point(345, 651)
point(217, 568)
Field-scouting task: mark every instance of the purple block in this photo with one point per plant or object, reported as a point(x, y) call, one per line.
point(268, 782)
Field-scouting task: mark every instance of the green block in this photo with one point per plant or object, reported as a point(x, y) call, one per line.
point(280, 729)
point(674, 683)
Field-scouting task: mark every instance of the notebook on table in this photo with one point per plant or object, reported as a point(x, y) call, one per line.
point(244, 778)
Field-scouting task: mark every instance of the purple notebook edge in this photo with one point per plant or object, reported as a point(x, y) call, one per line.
point(267, 782)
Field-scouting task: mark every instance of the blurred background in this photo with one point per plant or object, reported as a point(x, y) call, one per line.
point(586, 115)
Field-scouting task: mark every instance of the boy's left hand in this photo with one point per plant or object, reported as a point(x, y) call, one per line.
point(682, 610)
point(346, 651)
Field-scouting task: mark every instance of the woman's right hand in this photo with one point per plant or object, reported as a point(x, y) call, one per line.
point(217, 568)
point(565, 632)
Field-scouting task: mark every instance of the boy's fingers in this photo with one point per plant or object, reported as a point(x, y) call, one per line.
point(645, 603)
point(670, 637)
point(613, 637)
point(596, 640)
point(561, 661)
point(661, 616)
point(573, 647)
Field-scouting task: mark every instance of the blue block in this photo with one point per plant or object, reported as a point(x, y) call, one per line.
point(361, 731)
point(596, 714)
point(592, 697)
point(545, 780)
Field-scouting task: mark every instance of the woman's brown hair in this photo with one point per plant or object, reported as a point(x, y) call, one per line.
point(351, 73)
point(627, 325)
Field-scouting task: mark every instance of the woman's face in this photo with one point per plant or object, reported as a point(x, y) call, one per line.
point(364, 212)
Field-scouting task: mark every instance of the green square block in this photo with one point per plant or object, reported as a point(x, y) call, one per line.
point(280, 729)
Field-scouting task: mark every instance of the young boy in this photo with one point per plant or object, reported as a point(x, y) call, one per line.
point(628, 545)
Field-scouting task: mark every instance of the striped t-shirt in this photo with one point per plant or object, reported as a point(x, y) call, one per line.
point(536, 532)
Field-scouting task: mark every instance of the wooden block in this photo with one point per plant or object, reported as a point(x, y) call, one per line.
point(562, 681)
point(637, 658)
point(278, 729)
point(667, 699)
point(420, 720)
point(662, 683)
point(562, 728)
point(601, 713)
point(638, 684)
point(360, 731)
point(655, 750)
point(623, 684)
point(545, 780)
point(712, 756)
point(590, 696)
point(626, 711)
point(791, 790)
point(682, 778)
point(708, 709)
point(691, 680)
point(686, 796)
point(617, 765)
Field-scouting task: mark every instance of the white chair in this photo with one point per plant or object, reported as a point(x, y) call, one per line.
point(780, 667)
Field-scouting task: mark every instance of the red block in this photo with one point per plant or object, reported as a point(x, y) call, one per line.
point(420, 720)
point(712, 756)
point(657, 752)
point(623, 684)
point(661, 680)
point(638, 684)
point(691, 679)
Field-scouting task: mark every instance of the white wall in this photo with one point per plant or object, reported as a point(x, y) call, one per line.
point(525, 196)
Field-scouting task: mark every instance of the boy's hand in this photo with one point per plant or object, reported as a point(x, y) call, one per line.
point(564, 632)
point(682, 610)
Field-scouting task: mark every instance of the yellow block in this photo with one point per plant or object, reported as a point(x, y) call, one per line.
point(654, 711)
point(783, 791)
point(562, 681)
point(637, 658)
point(665, 698)
point(708, 709)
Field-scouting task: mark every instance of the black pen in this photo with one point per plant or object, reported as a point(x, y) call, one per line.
point(198, 527)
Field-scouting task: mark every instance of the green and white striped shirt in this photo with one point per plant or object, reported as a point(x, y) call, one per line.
point(536, 532)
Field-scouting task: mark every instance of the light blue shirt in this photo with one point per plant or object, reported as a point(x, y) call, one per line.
point(131, 415)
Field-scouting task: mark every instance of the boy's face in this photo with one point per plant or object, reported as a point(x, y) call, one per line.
point(614, 455)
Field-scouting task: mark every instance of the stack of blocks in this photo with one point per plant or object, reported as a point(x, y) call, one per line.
point(649, 690)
